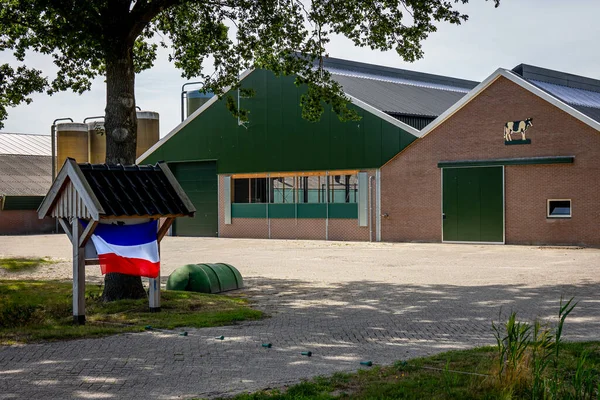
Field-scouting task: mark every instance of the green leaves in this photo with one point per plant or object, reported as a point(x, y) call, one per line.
point(16, 85)
point(233, 35)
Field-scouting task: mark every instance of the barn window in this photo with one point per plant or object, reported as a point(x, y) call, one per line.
point(250, 190)
point(343, 188)
point(559, 208)
point(312, 189)
point(282, 190)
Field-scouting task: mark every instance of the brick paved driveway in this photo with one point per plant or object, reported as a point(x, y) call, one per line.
point(344, 302)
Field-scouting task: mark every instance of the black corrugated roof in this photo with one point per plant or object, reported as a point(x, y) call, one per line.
point(133, 190)
point(398, 91)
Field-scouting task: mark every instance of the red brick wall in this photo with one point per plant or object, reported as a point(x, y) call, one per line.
point(348, 229)
point(252, 228)
point(24, 222)
point(285, 228)
point(411, 182)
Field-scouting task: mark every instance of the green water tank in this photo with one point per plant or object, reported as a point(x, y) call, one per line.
point(205, 278)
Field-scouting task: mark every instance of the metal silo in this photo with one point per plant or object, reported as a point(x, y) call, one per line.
point(72, 141)
point(195, 100)
point(147, 131)
point(97, 142)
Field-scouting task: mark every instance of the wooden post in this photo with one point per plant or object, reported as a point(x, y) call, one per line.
point(78, 274)
point(154, 294)
point(154, 289)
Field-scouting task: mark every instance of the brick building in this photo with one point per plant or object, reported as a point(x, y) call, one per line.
point(464, 181)
point(513, 159)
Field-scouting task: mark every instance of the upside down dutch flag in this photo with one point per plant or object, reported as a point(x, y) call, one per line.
point(128, 249)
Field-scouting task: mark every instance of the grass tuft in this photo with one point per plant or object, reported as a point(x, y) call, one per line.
point(17, 264)
point(32, 311)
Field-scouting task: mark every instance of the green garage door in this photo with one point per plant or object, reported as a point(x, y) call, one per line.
point(473, 204)
point(199, 180)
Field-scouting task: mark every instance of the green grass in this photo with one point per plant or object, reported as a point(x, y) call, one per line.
point(20, 263)
point(32, 311)
point(415, 379)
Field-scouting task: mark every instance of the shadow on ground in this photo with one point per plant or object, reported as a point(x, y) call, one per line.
point(341, 324)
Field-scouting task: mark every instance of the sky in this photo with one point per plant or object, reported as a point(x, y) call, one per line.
point(556, 34)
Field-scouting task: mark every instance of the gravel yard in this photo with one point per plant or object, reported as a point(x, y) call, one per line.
point(345, 302)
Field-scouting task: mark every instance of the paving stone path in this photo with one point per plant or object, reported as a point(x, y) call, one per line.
point(341, 320)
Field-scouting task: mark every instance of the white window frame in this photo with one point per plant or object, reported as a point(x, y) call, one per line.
point(559, 216)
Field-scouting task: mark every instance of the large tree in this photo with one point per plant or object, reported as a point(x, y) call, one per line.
point(119, 38)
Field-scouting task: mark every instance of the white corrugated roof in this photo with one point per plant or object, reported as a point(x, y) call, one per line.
point(580, 97)
point(25, 144)
point(402, 81)
point(25, 175)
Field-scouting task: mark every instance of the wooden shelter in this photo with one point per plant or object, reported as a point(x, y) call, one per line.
point(101, 193)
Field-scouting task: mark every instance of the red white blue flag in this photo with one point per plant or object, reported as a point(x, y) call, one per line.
point(128, 249)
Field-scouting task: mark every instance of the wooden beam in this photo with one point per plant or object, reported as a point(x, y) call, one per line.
point(164, 228)
point(66, 228)
point(92, 261)
point(45, 208)
point(291, 174)
point(85, 190)
point(87, 233)
point(78, 275)
point(154, 216)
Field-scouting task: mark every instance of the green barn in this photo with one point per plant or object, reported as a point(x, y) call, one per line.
point(280, 176)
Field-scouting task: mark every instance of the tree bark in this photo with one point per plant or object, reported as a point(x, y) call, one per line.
point(121, 137)
point(121, 121)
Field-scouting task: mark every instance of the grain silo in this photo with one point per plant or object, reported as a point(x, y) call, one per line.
point(72, 141)
point(97, 142)
point(147, 135)
point(147, 131)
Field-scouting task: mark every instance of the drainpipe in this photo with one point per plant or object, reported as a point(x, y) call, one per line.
point(327, 205)
point(183, 92)
point(371, 208)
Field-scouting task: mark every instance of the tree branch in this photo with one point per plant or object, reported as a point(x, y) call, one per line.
point(144, 12)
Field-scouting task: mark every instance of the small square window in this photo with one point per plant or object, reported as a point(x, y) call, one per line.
point(559, 208)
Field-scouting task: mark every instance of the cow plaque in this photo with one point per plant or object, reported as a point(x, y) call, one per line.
point(517, 127)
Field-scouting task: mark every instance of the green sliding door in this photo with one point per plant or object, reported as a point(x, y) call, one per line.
point(473, 204)
point(199, 181)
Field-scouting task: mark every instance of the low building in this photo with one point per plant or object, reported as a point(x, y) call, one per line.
point(514, 159)
point(25, 177)
point(280, 176)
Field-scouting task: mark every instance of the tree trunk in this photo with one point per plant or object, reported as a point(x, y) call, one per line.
point(121, 137)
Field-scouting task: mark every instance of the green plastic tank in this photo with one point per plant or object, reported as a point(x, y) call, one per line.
point(205, 278)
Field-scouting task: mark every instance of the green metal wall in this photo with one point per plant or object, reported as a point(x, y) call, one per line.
point(473, 204)
point(21, 202)
point(298, 210)
point(278, 139)
point(199, 181)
